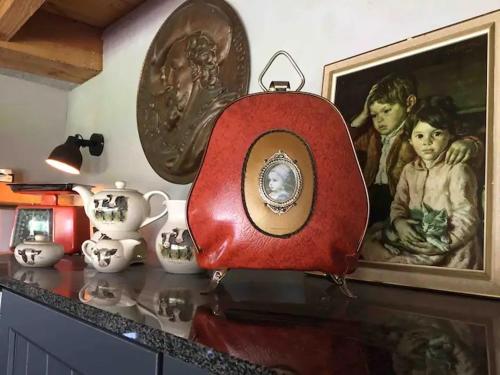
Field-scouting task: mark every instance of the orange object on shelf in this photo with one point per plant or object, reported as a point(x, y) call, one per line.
point(9, 198)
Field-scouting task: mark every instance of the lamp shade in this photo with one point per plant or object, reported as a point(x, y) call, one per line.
point(67, 157)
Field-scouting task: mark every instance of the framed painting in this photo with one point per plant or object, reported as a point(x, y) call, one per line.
point(422, 117)
point(427, 333)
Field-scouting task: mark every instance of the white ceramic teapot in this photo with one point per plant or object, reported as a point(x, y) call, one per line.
point(119, 210)
point(38, 253)
point(110, 255)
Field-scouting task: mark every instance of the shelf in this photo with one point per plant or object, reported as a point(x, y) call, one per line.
point(8, 198)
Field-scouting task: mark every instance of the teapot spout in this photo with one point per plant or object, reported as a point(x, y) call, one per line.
point(85, 194)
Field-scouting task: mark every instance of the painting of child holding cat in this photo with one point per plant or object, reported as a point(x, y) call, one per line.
point(434, 215)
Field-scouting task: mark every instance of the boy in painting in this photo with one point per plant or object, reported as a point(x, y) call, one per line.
point(434, 214)
point(386, 148)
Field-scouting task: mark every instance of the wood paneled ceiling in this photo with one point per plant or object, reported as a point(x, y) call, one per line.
point(98, 13)
point(60, 39)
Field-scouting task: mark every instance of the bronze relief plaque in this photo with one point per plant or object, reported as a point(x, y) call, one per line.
point(197, 64)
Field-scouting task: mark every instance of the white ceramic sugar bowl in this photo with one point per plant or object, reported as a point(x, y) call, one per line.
point(38, 253)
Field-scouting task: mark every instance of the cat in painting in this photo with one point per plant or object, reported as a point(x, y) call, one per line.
point(430, 224)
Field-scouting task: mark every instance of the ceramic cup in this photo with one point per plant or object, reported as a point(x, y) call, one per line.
point(109, 255)
point(38, 253)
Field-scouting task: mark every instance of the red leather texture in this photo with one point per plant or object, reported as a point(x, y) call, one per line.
point(319, 348)
point(217, 219)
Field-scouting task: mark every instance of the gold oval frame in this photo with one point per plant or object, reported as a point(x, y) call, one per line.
point(280, 158)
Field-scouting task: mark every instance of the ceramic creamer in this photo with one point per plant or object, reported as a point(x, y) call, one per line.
point(110, 255)
point(174, 245)
point(140, 251)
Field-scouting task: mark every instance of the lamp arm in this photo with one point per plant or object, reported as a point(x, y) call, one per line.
point(95, 143)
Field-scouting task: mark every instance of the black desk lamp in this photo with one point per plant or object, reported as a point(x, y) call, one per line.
point(68, 158)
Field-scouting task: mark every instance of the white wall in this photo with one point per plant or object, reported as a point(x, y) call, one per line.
point(7, 217)
point(107, 104)
point(32, 123)
point(315, 32)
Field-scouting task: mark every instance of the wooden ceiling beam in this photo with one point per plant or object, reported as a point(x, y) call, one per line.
point(56, 47)
point(14, 14)
point(98, 13)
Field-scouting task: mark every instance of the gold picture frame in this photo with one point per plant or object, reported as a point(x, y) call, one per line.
point(457, 61)
point(414, 325)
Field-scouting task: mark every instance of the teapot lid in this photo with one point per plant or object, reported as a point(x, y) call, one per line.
point(120, 186)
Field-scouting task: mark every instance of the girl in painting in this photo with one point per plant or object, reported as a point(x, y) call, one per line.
point(434, 218)
point(279, 183)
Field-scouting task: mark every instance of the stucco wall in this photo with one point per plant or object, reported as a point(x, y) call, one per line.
point(315, 32)
point(32, 123)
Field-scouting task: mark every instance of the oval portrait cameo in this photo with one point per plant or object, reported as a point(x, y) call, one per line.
point(280, 182)
point(197, 64)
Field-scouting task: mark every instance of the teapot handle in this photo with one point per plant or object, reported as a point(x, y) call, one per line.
point(147, 196)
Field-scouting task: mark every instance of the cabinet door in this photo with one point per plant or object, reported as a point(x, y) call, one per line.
point(39, 340)
point(174, 366)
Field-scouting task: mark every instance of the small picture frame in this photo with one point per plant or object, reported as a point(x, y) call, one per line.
point(429, 228)
point(30, 222)
point(280, 182)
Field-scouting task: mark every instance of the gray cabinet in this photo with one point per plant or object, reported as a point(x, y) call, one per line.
point(38, 340)
point(24, 357)
point(174, 366)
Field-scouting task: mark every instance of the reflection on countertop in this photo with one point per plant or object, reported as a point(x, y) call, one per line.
point(287, 321)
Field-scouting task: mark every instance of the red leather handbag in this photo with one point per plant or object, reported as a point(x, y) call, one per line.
point(287, 345)
point(280, 187)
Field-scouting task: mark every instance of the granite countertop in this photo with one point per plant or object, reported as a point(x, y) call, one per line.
point(271, 322)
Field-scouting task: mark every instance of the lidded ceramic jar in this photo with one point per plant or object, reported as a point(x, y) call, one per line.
point(119, 210)
point(38, 253)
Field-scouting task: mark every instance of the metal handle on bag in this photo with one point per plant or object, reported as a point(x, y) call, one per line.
point(281, 86)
